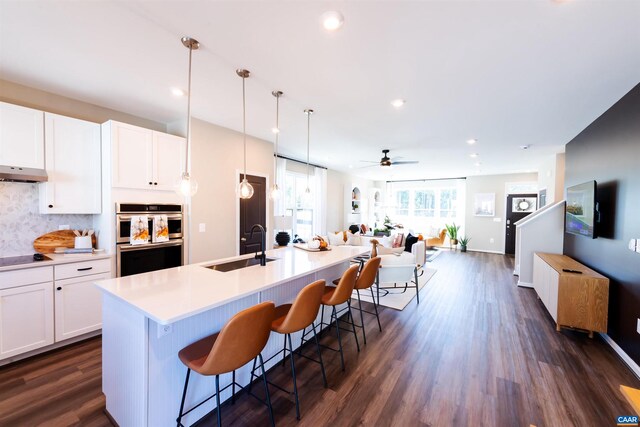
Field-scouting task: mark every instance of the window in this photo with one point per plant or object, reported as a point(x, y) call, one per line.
point(402, 198)
point(422, 206)
point(298, 204)
point(448, 203)
point(424, 203)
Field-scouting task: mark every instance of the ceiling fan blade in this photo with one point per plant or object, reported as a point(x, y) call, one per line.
point(368, 161)
point(407, 162)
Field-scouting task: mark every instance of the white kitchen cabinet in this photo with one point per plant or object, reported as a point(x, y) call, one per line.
point(78, 303)
point(145, 159)
point(78, 306)
point(168, 160)
point(21, 136)
point(73, 167)
point(26, 318)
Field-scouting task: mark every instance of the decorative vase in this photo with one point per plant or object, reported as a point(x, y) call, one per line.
point(283, 238)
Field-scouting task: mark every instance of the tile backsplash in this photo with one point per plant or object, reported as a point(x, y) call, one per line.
point(20, 220)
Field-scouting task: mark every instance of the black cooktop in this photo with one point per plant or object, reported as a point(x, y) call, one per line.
point(18, 260)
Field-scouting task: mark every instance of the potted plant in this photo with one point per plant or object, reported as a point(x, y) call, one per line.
point(452, 232)
point(463, 243)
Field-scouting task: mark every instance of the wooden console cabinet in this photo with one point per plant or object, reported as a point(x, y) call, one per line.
point(574, 300)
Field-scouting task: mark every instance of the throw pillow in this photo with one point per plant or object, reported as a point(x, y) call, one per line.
point(353, 239)
point(409, 241)
point(386, 241)
point(398, 240)
point(336, 239)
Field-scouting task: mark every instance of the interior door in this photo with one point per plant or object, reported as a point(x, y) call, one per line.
point(518, 206)
point(253, 211)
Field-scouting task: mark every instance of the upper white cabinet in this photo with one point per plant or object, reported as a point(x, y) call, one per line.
point(145, 159)
point(73, 166)
point(21, 136)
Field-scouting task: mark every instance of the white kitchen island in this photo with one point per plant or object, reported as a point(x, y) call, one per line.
point(148, 318)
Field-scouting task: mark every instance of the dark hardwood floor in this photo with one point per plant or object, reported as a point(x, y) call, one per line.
point(477, 351)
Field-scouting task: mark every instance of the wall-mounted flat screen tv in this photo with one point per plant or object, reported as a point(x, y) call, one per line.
point(581, 209)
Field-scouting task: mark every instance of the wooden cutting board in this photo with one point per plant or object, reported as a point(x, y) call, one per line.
point(47, 243)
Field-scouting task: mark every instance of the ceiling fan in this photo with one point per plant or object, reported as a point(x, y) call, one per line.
point(386, 161)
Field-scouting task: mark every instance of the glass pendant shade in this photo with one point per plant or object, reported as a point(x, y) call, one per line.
point(275, 192)
point(187, 186)
point(244, 190)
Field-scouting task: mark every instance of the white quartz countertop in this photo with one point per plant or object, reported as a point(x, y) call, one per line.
point(57, 259)
point(169, 295)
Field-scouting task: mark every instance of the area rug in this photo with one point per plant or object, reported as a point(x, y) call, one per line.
point(396, 298)
point(432, 254)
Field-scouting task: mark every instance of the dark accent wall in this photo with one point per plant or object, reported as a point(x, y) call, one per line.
point(608, 151)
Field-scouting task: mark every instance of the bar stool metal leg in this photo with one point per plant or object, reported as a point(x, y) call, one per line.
point(266, 389)
point(184, 395)
point(284, 350)
point(334, 315)
point(293, 373)
point(375, 307)
point(364, 333)
point(218, 413)
point(353, 324)
point(315, 336)
point(233, 387)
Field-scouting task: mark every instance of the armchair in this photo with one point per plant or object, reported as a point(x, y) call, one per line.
point(437, 241)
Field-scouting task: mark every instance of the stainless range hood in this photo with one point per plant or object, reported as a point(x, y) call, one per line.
point(18, 174)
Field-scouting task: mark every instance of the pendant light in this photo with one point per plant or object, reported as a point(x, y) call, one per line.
point(244, 190)
point(308, 112)
point(187, 185)
point(275, 191)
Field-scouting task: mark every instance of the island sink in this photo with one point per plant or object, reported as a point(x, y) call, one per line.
point(237, 264)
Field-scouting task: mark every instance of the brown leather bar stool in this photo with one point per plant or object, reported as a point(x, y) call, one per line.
point(291, 318)
point(238, 342)
point(366, 279)
point(334, 296)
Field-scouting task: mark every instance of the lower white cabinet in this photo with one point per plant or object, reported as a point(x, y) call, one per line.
point(78, 306)
point(41, 306)
point(26, 318)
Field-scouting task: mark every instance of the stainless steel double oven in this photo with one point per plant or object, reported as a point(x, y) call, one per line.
point(141, 258)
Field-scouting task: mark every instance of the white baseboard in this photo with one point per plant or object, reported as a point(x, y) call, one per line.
point(525, 284)
point(624, 356)
point(484, 250)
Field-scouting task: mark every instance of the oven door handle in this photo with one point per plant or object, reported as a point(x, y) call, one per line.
point(128, 247)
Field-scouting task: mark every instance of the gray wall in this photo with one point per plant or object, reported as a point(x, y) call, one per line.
point(608, 151)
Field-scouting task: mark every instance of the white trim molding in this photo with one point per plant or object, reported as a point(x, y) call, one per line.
point(525, 284)
point(621, 353)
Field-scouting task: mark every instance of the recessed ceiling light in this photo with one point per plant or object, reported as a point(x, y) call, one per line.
point(332, 20)
point(398, 103)
point(275, 130)
point(474, 155)
point(471, 141)
point(177, 91)
point(525, 147)
point(350, 166)
point(477, 164)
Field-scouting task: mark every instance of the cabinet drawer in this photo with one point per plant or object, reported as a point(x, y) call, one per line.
point(25, 276)
point(84, 268)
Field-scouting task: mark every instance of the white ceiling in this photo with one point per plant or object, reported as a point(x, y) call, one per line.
point(509, 73)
